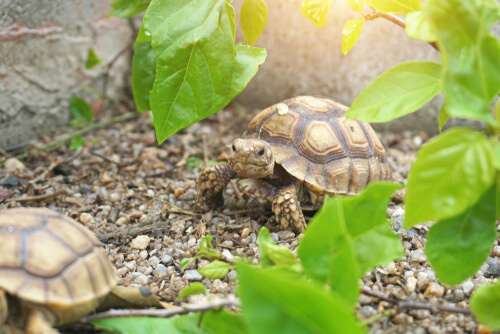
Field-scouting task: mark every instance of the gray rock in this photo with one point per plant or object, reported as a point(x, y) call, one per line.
point(192, 275)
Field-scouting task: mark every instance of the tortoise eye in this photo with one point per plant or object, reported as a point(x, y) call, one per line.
point(261, 152)
point(233, 148)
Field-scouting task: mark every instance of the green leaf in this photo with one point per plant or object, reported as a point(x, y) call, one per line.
point(342, 241)
point(199, 70)
point(263, 238)
point(211, 322)
point(92, 59)
point(215, 269)
point(443, 117)
point(143, 74)
point(128, 8)
point(273, 304)
point(496, 156)
point(485, 305)
point(253, 19)
point(497, 111)
point(458, 246)
point(206, 249)
point(316, 10)
point(450, 174)
point(279, 255)
point(80, 109)
point(76, 143)
point(419, 27)
point(186, 261)
point(395, 6)
point(398, 91)
point(356, 5)
point(350, 34)
point(194, 288)
point(469, 53)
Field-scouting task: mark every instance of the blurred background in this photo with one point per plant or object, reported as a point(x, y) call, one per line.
point(44, 46)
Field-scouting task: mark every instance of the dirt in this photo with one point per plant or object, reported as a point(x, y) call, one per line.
point(139, 198)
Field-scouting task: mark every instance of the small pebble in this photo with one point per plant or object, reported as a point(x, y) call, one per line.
point(245, 232)
point(418, 256)
point(142, 279)
point(86, 218)
point(192, 275)
point(458, 295)
point(14, 166)
point(136, 214)
point(411, 284)
point(161, 268)
point(227, 254)
point(131, 265)
point(481, 329)
point(114, 197)
point(106, 178)
point(140, 242)
point(166, 259)
point(467, 286)
point(275, 237)
point(122, 271)
point(422, 281)
point(217, 286)
point(143, 254)
point(285, 235)
point(450, 318)
point(434, 289)
point(121, 221)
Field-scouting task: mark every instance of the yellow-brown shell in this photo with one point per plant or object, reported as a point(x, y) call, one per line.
point(49, 259)
point(317, 145)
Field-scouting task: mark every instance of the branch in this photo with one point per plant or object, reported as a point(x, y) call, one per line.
point(409, 304)
point(394, 19)
point(165, 313)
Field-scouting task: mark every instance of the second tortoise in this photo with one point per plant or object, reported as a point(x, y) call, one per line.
point(296, 152)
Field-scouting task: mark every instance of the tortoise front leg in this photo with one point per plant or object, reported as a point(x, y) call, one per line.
point(287, 209)
point(39, 324)
point(211, 183)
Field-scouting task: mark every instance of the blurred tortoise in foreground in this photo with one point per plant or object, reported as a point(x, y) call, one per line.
point(298, 151)
point(53, 271)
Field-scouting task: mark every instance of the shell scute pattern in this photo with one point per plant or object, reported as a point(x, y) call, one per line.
point(48, 258)
point(317, 145)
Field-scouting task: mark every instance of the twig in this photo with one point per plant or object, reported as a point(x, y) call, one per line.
point(58, 143)
point(377, 317)
point(410, 304)
point(55, 164)
point(34, 198)
point(236, 190)
point(165, 313)
point(108, 69)
point(394, 19)
point(119, 164)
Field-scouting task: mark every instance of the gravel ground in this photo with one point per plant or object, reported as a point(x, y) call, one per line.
point(139, 199)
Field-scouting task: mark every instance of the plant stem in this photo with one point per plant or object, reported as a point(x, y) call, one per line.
point(165, 313)
point(409, 304)
point(394, 19)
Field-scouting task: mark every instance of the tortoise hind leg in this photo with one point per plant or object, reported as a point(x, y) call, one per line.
point(287, 209)
point(39, 324)
point(211, 183)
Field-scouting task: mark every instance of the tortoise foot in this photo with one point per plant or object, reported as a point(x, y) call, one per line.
point(211, 183)
point(287, 209)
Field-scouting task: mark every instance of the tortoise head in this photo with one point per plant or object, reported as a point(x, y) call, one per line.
point(251, 158)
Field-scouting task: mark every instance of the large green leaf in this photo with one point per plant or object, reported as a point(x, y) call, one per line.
point(316, 10)
point(350, 33)
point(263, 238)
point(343, 239)
point(450, 173)
point(395, 6)
point(457, 247)
point(469, 53)
point(128, 8)
point(253, 19)
point(143, 74)
point(211, 322)
point(398, 91)
point(274, 304)
point(81, 109)
point(194, 288)
point(198, 69)
point(485, 305)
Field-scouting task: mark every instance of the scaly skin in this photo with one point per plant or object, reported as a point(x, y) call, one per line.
point(211, 183)
point(287, 209)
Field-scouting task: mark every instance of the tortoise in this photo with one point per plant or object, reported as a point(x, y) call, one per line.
point(296, 152)
point(52, 271)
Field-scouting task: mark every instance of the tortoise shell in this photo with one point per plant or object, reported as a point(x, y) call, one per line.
point(317, 145)
point(51, 260)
